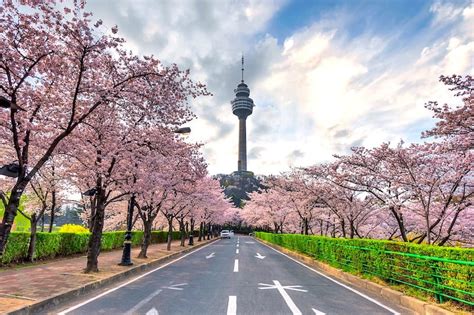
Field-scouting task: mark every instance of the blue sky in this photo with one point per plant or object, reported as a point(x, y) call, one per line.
point(368, 15)
point(324, 75)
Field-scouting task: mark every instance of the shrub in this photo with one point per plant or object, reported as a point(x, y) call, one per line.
point(64, 243)
point(73, 228)
point(17, 247)
point(73, 243)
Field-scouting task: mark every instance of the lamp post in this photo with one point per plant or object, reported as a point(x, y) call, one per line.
point(127, 244)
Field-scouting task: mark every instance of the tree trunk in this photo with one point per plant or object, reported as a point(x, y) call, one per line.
point(146, 239)
point(305, 226)
point(352, 231)
point(201, 228)
point(95, 239)
point(208, 231)
point(428, 229)
point(10, 214)
point(170, 233)
point(450, 229)
point(53, 206)
point(32, 245)
point(182, 233)
point(343, 228)
point(401, 224)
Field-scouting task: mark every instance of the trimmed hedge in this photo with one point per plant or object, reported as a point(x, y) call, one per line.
point(49, 245)
point(446, 273)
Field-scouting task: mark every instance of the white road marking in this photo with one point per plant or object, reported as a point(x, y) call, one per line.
point(285, 287)
point(260, 256)
point(210, 255)
point(232, 306)
point(236, 265)
point(335, 281)
point(294, 309)
point(175, 287)
point(237, 245)
point(153, 311)
point(316, 312)
point(134, 309)
point(249, 242)
point(237, 251)
point(131, 281)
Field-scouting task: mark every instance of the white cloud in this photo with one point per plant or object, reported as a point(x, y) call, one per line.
point(445, 12)
point(317, 92)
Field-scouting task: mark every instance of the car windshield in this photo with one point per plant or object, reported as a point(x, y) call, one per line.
point(225, 231)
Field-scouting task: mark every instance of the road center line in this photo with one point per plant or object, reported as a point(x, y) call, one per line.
point(236, 265)
point(232, 306)
point(237, 245)
point(131, 281)
point(134, 309)
point(333, 280)
point(294, 309)
point(237, 251)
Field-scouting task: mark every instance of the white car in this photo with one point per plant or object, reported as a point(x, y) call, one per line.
point(225, 234)
point(231, 233)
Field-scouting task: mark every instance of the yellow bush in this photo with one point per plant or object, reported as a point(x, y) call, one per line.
point(72, 228)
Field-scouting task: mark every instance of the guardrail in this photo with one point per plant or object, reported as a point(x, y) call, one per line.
point(408, 265)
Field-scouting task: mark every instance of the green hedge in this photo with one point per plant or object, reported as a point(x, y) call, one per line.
point(446, 273)
point(49, 245)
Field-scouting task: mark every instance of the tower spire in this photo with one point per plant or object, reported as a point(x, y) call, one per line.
point(242, 67)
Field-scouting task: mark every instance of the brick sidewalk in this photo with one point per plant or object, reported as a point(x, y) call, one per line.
point(28, 284)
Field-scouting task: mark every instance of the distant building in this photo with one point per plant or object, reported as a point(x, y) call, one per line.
point(239, 184)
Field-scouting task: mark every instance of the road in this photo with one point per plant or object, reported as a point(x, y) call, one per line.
point(231, 276)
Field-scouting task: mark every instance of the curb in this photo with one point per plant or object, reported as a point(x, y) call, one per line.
point(400, 299)
point(43, 305)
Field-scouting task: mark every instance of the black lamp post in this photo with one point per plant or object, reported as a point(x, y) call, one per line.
point(127, 244)
point(191, 236)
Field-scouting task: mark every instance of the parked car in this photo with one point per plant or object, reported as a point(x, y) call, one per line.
point(225, 234)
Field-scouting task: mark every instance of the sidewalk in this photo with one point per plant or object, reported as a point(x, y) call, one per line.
point(27, 285)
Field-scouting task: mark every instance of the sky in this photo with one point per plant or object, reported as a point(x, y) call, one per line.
point(325, 75)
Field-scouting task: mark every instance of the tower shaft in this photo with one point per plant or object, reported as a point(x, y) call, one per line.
point(242, 163)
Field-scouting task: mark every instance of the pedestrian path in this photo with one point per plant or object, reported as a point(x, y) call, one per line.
point(27, 284)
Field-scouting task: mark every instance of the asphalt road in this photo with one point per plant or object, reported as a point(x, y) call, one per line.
point(231, 276)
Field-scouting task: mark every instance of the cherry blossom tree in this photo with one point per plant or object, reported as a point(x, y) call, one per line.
point(455, 122)
point(56, 71)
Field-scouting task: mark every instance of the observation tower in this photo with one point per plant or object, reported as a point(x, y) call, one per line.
point(242, 107)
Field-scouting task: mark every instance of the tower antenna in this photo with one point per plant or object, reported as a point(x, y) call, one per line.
point(242, 67)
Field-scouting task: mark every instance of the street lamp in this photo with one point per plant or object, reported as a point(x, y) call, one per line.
point(5, 103)
point(91, 192)
point(127, 244)
point(183, 130)
point(10, 170)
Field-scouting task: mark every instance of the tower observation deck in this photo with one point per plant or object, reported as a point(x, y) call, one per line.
point(242, 107)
